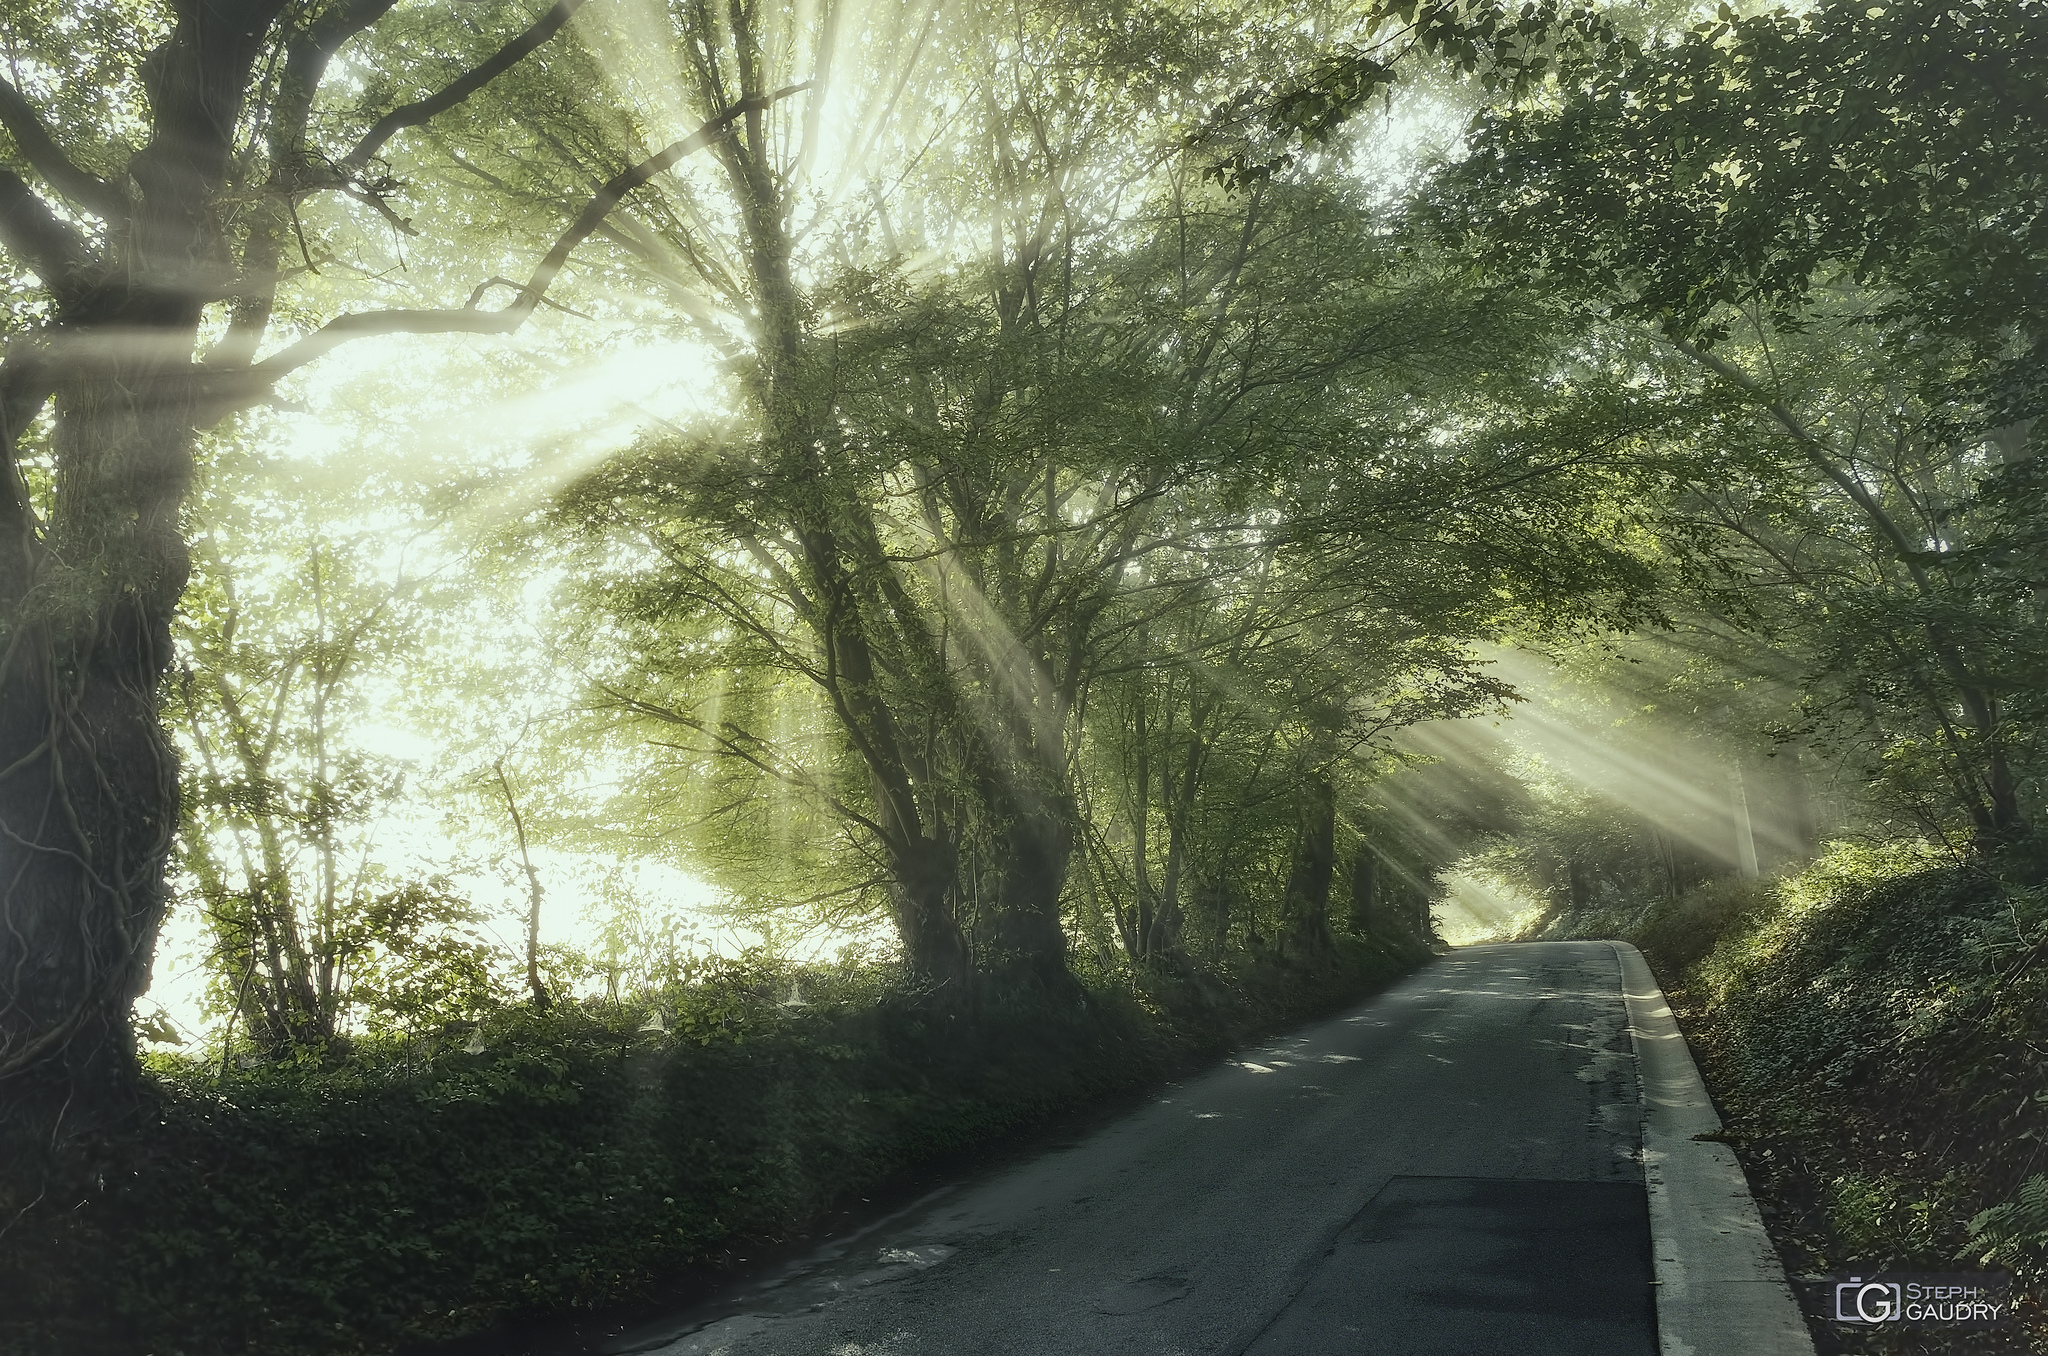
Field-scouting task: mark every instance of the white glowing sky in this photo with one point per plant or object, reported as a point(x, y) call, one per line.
point(595, 406)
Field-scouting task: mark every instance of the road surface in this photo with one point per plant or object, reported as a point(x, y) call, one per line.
point(1453, 1167)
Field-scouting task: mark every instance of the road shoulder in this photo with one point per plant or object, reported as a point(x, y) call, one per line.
point(1721, 1290)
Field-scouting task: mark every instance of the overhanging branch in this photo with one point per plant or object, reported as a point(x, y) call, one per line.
point(1818, 453)
point(233, 389)
point(82, 187)
point(307, 57)
point(424, 110)
point(33, 233)
point(731, 741)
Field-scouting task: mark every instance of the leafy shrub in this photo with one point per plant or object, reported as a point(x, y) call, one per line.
point(535, 1162)
point(1677, 933)
point(1871, 1026)
point(421, 957)
point(1673, 933)
point(2015, 1232)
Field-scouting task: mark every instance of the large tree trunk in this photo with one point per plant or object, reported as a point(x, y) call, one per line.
point(87, 814)
point(1168, 940)
point(921, 850)
point(88, 777)
point(1578, 882)
point(1034, 798)
point(1308, 882)
point(1386, 906)
point(922, 897)
point(1028, 948)
point(90, 580)
point(2006, 820)
point(1365, 881)
point(1169, 920)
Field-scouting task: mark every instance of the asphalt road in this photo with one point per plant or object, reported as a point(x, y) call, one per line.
point(1451, 1168)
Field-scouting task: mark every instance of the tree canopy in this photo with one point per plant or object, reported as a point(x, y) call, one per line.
point(1020, 491)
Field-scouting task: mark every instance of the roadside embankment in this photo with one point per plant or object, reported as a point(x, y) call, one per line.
point(1874, 1030)
point(416, 1191)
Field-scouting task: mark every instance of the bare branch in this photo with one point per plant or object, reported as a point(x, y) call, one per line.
point(248, 386)
point(306, 61)
point(341, 329)
point(448, 96)
point(732, 741)
point(81, 186)
point(291, 176)
point(1817, 452)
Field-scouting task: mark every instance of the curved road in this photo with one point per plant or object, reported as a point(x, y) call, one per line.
point(1452, 1168)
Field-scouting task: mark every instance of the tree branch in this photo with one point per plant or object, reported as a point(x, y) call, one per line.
point(423, 110)
point(306, 60)
point(291, 175)
point(1817, 453)
point(32, 231)
point(732, 741)
point(248, 386)
point(41, 151)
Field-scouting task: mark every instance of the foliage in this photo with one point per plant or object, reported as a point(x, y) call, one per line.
point(919, 629)
point(421, 960)
point(150, 201)
point(1098, 514)
point(1793, 224)
point(437, 1185)
point(2015, 1230)
point(1870, 1027)
point(1675, 932)
point(1511, 52)
point(1759, 159)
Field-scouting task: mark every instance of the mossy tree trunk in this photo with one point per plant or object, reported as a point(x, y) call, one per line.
point(91, 571)
point(1315, 862)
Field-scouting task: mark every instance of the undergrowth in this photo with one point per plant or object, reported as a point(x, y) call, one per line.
point(1874, 1029)
point(538, 1163)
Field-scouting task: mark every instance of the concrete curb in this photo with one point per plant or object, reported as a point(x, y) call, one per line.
point(1720, 1288)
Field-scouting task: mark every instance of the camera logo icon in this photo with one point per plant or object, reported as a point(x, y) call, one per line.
point(1872, 1301)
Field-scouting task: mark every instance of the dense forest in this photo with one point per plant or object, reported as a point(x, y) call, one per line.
point(620, 620)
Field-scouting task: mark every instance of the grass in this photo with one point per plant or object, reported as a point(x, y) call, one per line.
point(1873, 1029)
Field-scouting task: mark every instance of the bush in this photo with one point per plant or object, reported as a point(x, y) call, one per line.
point(539, 1162)
point(1673, 933)
point(1871, 1028)
point(2015, 1233)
